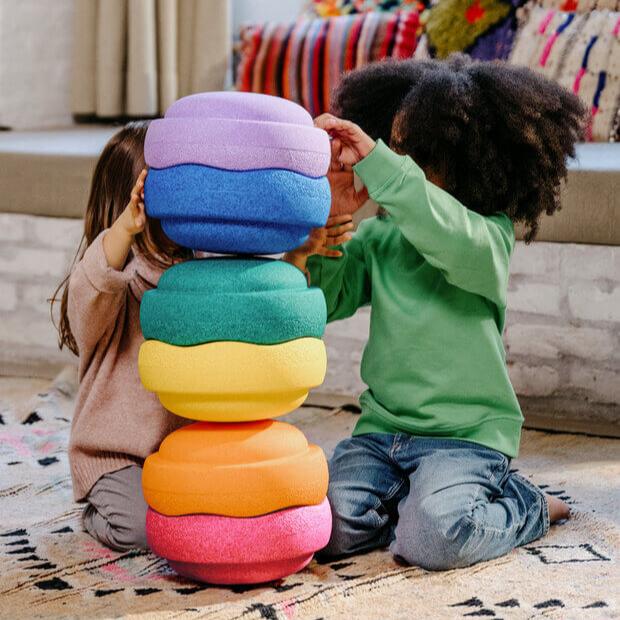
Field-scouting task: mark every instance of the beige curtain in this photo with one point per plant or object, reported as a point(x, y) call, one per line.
point(135, 57)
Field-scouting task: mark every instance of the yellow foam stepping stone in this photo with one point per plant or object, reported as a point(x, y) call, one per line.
point(230, 381)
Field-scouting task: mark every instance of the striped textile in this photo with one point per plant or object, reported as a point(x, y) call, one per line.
point(582, 52)
point(303, 61)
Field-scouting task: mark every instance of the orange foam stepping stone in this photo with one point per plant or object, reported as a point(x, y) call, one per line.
point(238, 470)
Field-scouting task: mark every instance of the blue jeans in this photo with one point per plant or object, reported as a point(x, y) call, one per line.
point(438, 503)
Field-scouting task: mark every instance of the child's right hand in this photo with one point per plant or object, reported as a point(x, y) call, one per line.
point(118, 239)
point(133, 219)
point(322, 241)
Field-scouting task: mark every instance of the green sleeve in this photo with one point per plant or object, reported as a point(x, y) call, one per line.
point(471, 250)
point(344, 281)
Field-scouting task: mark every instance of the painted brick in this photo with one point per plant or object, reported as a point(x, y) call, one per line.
point(22, 328)
point(33, 262)
point(535, 298)
point(8, 296)
point(36, 296)
point(591, 262)
point(536, 259)
point(11, 227)
point(603, 385)
point(591, 302)
point(533, 380)
point(550, 341)
point(55, 232)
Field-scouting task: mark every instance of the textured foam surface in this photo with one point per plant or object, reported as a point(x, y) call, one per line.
point(238, 131)
point(236, 105)
point(237, 145)
point(230, 550)
point(239, 470)
point(254, 300)
point(232, 381)
point(253, 212)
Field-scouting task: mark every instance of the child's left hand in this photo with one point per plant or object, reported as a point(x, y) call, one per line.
point(353, 144)
point(345, 198)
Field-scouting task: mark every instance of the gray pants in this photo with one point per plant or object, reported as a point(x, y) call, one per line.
point(115, 514)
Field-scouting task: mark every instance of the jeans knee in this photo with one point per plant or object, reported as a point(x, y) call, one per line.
point(343, 527)
point(434, 542)
point(354, 525)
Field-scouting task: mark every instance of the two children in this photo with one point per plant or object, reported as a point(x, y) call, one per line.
point(453, 152)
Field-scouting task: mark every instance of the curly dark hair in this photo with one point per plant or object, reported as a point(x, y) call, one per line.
point(497, 135)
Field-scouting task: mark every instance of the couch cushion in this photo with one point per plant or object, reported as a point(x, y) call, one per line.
point(49, 172)
point(590, 199)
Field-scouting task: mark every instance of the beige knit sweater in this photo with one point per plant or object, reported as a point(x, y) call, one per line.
point(116, 421)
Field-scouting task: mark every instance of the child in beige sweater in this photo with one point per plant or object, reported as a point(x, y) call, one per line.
point(116, 423)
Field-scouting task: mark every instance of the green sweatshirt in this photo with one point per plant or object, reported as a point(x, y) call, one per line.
point(435, 275)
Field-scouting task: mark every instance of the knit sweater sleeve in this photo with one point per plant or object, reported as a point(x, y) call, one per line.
point(345, 281)
point(471, 250)
point(97, 295)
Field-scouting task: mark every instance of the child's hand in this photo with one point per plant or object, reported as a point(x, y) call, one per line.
point(117, 241)
point(321, 241)
point(345, 198)
point(351, 143)
point(133, 218)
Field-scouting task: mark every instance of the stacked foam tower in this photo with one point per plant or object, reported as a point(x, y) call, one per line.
point(234, 342)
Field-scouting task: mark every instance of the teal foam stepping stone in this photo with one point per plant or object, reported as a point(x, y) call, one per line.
point(254, 300)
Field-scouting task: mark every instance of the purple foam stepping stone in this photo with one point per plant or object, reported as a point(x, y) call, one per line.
point(238, 131)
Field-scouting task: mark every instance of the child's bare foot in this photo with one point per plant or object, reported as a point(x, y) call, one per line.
point(557, 509)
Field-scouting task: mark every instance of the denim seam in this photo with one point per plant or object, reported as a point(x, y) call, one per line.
point(396, 444)
point(391, 492)
point(545, 506)
point(492, 474)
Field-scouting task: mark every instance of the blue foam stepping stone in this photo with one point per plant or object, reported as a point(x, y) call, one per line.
point(224, 211)
point(254, 300)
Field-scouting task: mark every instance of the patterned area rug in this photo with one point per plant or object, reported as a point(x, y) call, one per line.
point(49, 568)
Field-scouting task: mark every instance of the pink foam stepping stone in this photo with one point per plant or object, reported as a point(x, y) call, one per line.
point(238, 131)
point(236, 550)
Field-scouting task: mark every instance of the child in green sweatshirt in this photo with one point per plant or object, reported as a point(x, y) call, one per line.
point(473, 148)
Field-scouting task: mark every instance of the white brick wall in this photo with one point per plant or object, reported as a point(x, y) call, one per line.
point(569, 342)
point(8, 296)
point(525, 296)
point(35, 255)
point(11, 227)
point(592, 301)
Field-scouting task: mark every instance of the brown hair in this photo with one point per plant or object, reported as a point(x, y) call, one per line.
point(118, 167)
